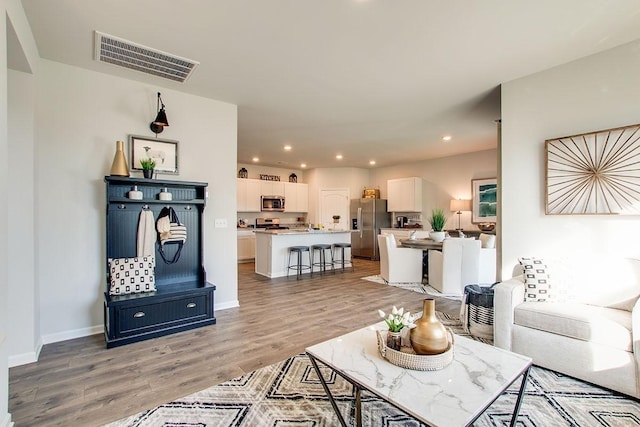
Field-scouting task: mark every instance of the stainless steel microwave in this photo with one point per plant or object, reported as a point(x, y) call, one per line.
point(272, 203)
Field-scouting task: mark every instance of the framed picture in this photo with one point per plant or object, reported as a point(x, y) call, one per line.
point(163, 151)
point(485, 200)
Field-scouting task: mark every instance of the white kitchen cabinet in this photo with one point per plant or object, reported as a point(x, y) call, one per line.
point(296, 197)
point(271, 188)
point(404, 195)
point(246, 246)
point(249, 195)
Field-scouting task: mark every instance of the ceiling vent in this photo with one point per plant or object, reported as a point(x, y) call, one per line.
point(141, 58)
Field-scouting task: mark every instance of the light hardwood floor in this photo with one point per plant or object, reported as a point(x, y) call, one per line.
point(81, 383)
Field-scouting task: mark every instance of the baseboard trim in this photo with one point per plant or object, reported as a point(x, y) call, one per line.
point(6, 422)
point(23, 359)
point(69, 335)
point(226, 305)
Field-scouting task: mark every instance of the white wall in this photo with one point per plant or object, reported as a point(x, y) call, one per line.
point(594, 93)
point(444, 179)
point(79, 116)
point(5, 417)
point(23, 290)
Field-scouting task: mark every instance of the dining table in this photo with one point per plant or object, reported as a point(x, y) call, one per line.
point(424, 244)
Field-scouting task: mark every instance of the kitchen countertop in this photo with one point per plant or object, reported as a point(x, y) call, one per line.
point(303, 231)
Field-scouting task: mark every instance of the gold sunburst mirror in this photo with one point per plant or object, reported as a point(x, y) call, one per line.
point(595, 173)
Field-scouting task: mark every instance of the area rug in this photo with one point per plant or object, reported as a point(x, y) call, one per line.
point(289, 393)
point(413, 286)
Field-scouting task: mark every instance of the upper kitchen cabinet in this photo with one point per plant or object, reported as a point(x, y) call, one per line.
point(271, 188)
point(296, 197)
point(404, 195)
point(249, 195)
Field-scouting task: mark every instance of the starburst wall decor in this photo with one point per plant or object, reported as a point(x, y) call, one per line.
point(595, 173)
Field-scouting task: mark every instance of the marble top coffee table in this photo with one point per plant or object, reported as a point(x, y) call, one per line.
point(454, 396)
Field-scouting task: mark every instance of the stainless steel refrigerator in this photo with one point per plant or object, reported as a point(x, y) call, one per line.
point(368, 216)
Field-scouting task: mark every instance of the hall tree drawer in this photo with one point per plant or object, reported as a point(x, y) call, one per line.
point(136, 319)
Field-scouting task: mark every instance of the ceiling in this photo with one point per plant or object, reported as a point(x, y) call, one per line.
point(369, 79)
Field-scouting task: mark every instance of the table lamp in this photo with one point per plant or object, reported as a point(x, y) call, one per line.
point(460, 205)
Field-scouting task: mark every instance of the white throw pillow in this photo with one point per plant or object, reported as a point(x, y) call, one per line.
point(488, 241)
point(537, 285)
point(132, 275)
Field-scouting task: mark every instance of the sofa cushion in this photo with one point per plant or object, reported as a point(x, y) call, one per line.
point(602, 325)
point(537, 285)
point(606, 281)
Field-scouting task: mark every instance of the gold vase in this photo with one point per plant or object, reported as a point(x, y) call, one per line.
point(119, 166)
point(429, 336)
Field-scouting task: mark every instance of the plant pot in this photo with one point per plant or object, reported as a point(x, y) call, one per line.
point(147, 173)
point(394, 340)
point(437, 236)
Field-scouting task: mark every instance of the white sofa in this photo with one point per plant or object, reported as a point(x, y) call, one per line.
point(589, 329)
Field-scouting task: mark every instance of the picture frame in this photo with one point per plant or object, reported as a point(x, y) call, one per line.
point(163, 151)
point(484, 203)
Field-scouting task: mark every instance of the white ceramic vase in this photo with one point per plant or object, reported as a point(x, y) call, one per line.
point(437, 236)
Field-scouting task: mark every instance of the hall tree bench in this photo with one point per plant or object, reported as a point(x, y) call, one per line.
point(183, 298)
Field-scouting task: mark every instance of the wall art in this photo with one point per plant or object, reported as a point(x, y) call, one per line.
point(596, 173)
point(484, 206)
point(163, 151)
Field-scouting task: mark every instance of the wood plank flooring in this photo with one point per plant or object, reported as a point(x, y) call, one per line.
point(81, 383)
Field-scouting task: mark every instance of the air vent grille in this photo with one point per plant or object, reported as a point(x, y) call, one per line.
point(141, 58)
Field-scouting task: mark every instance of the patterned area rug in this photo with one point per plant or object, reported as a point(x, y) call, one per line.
point(289, 394)
point(415, 287)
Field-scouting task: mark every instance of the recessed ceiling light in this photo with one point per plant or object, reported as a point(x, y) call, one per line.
point(446, 138)
point(372, 162)
point(287, 148)
point(255, 159)
point(303, 165)
point(339, 157)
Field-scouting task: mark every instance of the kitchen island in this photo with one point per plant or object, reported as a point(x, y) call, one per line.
point(272, 255)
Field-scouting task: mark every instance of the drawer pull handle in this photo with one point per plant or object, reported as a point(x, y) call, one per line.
point(139, 314)
point(191, 305)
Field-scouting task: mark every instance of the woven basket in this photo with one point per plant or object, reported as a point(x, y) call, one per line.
point(407, 358)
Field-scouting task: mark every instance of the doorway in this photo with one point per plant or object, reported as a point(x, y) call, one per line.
point(334, 201)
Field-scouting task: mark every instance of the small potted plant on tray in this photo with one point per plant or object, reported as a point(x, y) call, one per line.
point(397, 320)
point(437, 221)
point(148, 165)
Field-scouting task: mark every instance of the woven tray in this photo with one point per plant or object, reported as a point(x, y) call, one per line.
point(407, 358)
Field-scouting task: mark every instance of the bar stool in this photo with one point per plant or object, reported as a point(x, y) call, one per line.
point(341, 261)
point(322, 265)
point(298, 250)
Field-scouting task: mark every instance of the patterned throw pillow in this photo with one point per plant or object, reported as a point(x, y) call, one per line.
point(132, 275)
point(537, 285)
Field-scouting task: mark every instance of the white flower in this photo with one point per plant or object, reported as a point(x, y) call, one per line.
point(398, 319)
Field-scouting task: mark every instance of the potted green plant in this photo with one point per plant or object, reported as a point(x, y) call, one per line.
point(148, 166)
point(437, 221)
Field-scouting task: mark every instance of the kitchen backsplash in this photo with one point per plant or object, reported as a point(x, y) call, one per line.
point(286, 219)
